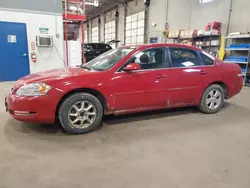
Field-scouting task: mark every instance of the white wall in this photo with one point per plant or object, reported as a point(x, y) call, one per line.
point(110, 15)
point(156, 31)
point(102, 28)
point(136, 6)
point(94, 22)
point(217, 10)
point(240, 16)
point(121, 25)
point(189, 14)
point(47, 58)
point(178, 14)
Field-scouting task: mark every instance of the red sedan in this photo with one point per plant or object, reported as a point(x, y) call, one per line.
point(125, 80)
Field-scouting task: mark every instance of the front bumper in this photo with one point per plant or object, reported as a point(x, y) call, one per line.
point(38, 109)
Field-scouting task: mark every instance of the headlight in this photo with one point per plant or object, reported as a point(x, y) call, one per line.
point(36, 89)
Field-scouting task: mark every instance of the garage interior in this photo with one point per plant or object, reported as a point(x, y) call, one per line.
point(166, 148)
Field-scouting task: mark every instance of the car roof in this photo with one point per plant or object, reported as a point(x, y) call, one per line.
point(164, 45)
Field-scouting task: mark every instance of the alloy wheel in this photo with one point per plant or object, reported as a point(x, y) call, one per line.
point(82, 114)
point(214, 99)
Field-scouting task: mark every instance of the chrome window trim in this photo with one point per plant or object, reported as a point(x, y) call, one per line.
point(147, 70)
point(170, 66)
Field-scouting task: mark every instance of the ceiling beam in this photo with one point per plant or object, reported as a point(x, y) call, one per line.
point(105, 8)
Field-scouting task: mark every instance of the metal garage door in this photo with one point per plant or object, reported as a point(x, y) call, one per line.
point(14, 58)
point(135, 28)
point(110, 32)
point(95, 34)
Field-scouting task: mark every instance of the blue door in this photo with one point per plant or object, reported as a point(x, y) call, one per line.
point(14, 55)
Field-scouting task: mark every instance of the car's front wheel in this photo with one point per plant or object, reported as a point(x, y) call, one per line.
point(80, 113)
point(212, 100)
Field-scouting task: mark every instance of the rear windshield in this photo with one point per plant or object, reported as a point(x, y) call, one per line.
point(97, 47)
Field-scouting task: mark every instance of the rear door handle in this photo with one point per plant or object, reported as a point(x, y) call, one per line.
point(160, 76)
point(202, 72)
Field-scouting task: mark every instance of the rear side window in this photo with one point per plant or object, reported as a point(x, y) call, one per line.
point(87, 47)
point(182, 57)
point(207, 60)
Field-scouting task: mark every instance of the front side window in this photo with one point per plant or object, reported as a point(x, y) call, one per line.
point(149, 59)
point(108, 59)
point(182, 57)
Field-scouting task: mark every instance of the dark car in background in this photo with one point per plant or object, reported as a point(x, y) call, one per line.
point(92, 50)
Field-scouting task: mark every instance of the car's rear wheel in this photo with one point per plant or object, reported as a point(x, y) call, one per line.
point(80, 113)
point(213, 99)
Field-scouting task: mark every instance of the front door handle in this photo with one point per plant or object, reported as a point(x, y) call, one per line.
point(202, 72)
point(160, 76)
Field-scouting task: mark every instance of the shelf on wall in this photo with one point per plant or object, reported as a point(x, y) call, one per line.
point(172, 38)
point(240, 43)
point(208, 46)
point(206, 36)
point(237, 62)
point(238, 37)
point(237, 49)
point(186, 38)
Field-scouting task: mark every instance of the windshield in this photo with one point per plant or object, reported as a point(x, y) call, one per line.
point(108, 59)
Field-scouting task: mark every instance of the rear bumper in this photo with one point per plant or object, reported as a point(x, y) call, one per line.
point(40, 109)
point(235, 89)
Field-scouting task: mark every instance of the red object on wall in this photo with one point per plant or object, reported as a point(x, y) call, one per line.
point(74, 17)
point(213, 26)
point(33, 46)
point(33, 57)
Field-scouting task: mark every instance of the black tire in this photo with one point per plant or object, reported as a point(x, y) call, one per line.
point(69, 102)
point(206, 108)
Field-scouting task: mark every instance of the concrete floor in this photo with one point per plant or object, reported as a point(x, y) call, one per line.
point(176, 148)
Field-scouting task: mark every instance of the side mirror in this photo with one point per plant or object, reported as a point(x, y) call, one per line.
point(132, 67)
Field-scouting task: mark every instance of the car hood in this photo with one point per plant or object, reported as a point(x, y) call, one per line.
point(52, 75)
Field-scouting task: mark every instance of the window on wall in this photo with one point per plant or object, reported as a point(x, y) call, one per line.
point(205, 1)
point(110, 32)
point(95, 34)
point(135, 28)
point(86, 36)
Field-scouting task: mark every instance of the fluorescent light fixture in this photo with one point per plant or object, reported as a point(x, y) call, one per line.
point(205, 1)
